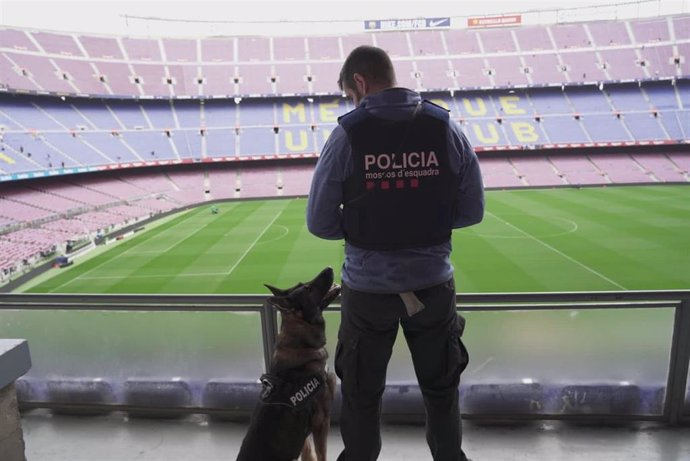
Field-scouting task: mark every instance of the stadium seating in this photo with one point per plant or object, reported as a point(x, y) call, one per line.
point(241, 66)
point(202, 112)
point(99, 133)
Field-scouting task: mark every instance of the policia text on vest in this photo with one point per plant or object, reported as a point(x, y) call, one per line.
point(394, 165)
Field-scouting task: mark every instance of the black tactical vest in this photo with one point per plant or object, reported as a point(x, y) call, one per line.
point(401, 192)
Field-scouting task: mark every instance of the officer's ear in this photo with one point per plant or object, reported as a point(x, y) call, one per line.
point(361, 83)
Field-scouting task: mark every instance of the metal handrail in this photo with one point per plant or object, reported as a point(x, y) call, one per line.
point(679, 300)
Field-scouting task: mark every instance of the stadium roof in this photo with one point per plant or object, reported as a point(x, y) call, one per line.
point(266, 17)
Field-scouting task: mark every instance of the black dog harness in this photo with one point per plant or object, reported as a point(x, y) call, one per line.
point(277, 391)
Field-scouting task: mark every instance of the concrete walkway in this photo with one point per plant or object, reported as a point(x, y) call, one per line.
point(115, 437)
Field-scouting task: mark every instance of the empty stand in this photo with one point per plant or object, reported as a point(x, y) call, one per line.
point(150, 145)
point(533, 38)
point(141, 49)
point(42, 72)
point(113, 147)
point(223, 183)
point(53, 43)
point(583, 66)
point(620, 168)
point(253, 49)
point(118, 78)
point(16, 39)
point(405, 74)
point(101, 47)
point(153, 79)
point(41, 133)
point(180, 50)
point(291, 79)
point(82, 74)
point(219, 142)
point(499, 173)
point(289, 49)
point(569, 36)
point(257, 141)
point(217, 113)
point(545, 69)
point(650, 30)
point(623, 64)
point(160, 115)
point(296, 179)
point(578, 170)
point(434, 74)
point(645, 126)
point(660, 61)
point(217, 80)
point(508, 71)
point(218, 50)
point(258, 182)
point(609, 33)
point(427, 43)
point(536, 171)
point(256, 79)
point(350, 42)
point(322, 48)
point(652, 48)
point(497, 41)
point(324, 77)
point(563, 129)
point(396, 45)
point(462, 42)
point(471, 72)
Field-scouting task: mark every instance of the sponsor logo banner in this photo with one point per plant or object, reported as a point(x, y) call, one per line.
point(406, 24)
point(495, 21)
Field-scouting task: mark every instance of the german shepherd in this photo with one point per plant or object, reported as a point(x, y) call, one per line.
point(297, 390)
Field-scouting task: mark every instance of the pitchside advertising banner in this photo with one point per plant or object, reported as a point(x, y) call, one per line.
point(407, 24)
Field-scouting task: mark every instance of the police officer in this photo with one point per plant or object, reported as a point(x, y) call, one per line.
point(394, 178)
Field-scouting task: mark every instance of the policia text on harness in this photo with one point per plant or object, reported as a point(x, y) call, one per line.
point(277, 391)
point(401, 192)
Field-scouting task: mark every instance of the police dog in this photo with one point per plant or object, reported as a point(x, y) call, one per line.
point(297, 390)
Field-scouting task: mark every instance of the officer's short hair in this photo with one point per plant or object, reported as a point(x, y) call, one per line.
point(369, 61)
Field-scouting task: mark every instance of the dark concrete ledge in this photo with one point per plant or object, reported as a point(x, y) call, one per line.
point(15, 360)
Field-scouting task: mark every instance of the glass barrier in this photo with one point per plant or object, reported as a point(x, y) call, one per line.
point(136, 358)
point(588, 361)
point(549, 362)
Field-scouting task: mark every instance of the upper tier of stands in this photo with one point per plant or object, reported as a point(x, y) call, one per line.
point(573, 53)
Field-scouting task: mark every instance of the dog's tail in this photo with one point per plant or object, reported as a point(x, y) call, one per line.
point(308, 450)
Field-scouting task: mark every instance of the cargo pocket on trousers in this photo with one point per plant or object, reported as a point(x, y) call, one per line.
point(458, 358)
point(346, 359)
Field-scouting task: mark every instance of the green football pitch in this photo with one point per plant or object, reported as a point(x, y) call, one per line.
point(598, 239)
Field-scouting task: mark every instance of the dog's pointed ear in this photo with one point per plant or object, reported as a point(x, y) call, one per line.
point(282, 303)
point(275, 291)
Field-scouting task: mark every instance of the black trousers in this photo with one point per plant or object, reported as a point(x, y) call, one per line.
point(368, 329)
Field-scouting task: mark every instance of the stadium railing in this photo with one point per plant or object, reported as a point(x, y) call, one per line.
point(56, 382)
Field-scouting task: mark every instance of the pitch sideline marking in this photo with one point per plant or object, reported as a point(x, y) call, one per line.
point(256, 240)
point(556, 250)
point(203, 274)
point(81, 276)
point(153, 276)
